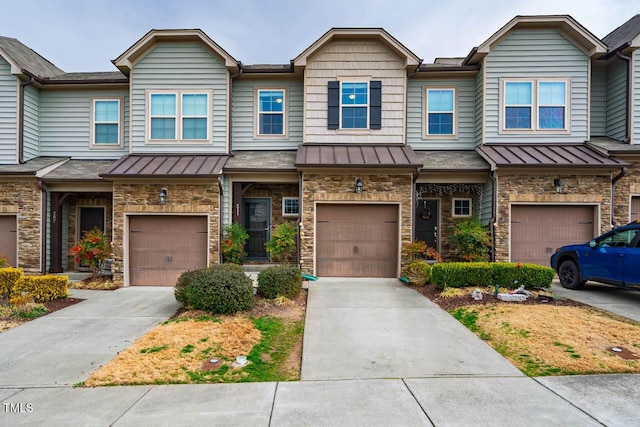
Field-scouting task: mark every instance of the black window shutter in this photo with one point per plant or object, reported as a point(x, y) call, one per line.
point(334, 105)
point(375, 104)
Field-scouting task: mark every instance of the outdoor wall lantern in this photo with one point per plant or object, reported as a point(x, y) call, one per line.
point(558, 184)
point(359, 186)
point(163, 196)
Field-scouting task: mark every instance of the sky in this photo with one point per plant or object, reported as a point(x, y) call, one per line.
point(86, 35)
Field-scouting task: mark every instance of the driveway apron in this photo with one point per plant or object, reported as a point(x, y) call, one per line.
point(64, 347)
point(379, 328)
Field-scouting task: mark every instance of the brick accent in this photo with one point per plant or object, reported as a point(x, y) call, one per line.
point(24, 198)
point(341, 188)
point(524, 188)
point(182, 198)
point(275, 192)
point(627, 186)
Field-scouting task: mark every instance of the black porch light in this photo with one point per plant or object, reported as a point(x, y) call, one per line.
point(359, 186)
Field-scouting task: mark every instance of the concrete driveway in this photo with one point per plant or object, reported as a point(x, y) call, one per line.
point(379, 328)
point(623, 302)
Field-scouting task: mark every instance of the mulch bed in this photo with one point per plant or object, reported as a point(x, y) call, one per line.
point(59, 304)
point(433, 293)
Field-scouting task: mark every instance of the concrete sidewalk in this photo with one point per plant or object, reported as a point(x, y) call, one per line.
point(459, 387)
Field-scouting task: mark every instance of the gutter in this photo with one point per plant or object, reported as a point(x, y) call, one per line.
point(492, 221)
point(629, 106)
point(23, 84)
point(615, 179)
point(230, 103)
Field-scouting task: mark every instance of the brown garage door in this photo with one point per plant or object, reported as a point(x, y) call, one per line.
point(635, 208)
point(8, 238)
point(357, 240)
point(162, 247)
point(537, 231)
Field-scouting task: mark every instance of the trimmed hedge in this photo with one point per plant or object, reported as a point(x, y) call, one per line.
point(9, 276)
point(417, 273)
point(219, 289)
point(506, 274)
point(42, 288)
point(280, 280)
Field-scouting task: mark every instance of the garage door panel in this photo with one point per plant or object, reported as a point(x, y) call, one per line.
point(162, 247)
point(357, 240)
point(8, 238)
point(635, 208)
point(538, 230)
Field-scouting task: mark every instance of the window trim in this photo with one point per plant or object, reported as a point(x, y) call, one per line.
point(179, 117)
point(453, 207)
point(425, 106)
point(366, 80)
point(290, 215)
point(92, 130)
point(535, 106)
point(285, 113)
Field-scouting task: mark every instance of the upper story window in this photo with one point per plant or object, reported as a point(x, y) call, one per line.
point(535, 105)
point(179, 116)
point(106, 118)
point(354, 100)
point(271, 112)
point(354, 105)
point(440, 111)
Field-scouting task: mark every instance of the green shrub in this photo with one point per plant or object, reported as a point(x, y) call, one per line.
point(4, 262)
point(418, 273)
point(280, 280)
point(42, 288)
point(282, 244)
point(232, 246)
point(506, 274)
point(473, 240)
point(220, 290)
point(513, 275)
point(8, 278)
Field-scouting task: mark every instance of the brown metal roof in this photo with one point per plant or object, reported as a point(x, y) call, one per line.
point(359, 156)
point(155, 165)
point(541, 155)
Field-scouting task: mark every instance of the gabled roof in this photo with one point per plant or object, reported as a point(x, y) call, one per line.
point(626, 35)
point(126, 61)
point(22, 58)
point(263, 160)
point(379, 34)
point(582, 37)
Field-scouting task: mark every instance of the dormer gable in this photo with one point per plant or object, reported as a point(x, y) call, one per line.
point(565, 24)
point(126, 61)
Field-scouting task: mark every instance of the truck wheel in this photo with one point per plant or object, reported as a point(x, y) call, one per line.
point(569, 275)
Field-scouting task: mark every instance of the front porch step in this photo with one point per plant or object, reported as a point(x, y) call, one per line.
point(256, 268)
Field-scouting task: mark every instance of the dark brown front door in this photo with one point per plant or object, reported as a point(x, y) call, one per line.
point(8, 238)
point(537, 231)
point(357, 240)
point(426, 222)
point(91, 218)
point(163, 247)
point(257, 222)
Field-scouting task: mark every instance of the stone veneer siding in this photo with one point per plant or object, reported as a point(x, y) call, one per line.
point(24, 199)
point(275, 192)
point(538, 189)
point(627, 186)
point(132, 199)
point(85, 200)
point(327, 188)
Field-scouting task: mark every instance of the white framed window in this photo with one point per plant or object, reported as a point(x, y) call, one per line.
point(106, 122)
point(290, 206)
point(461, 207)
point(354, 105)
point(182, 116)
point(440, 111)
point(271, 112)
point(539, 105)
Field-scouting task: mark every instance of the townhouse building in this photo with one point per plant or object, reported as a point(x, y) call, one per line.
point(360, 142)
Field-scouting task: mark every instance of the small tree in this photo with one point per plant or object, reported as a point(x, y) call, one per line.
point(92, 250)
point(232, 245)
point(473, 240)
point(419, 249)
point(282, 245)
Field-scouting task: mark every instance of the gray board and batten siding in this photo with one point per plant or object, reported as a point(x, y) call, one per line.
point(616, 100)
point(31, 122)
point(172, 66)
point(536, 53)
point(598, 101)
point(8, 114)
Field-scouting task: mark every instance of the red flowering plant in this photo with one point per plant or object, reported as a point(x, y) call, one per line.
point(419, 249)
point(232, 245)
point(92, 250)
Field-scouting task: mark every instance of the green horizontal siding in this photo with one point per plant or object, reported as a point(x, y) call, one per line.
point(466, 114)
point(180, 66)
point(537, 53)
point(479, 125)
point(243, 116)
point(598, 101)
point(31, 122)
point(616, 100)
point(65, 124)
point(8, 114)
